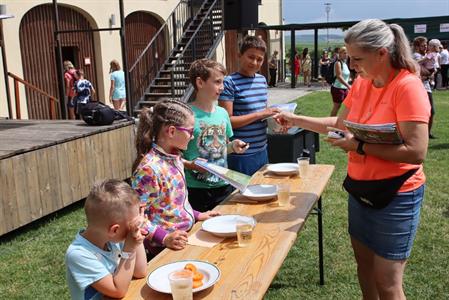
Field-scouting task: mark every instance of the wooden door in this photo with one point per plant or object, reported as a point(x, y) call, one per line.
point(38, 50)
point(140, 28)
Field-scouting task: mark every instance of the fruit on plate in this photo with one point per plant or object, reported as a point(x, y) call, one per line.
point(197, 275)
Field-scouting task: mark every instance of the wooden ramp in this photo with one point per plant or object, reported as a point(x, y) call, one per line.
point(47, 165)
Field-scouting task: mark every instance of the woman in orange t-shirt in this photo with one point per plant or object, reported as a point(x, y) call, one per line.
point(384, 213)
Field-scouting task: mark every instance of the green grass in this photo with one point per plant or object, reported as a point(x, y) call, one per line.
point(32, 259)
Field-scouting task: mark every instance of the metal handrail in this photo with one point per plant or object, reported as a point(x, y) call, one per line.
point(17, 79)
point(153, 56)
point(187, 93)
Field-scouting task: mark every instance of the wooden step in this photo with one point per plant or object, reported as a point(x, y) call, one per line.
point(168, 86)
point(157, 95)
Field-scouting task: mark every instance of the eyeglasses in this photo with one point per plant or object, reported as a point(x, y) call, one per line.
point(188, 130)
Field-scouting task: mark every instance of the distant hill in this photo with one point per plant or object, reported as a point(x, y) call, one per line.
point(322, 37)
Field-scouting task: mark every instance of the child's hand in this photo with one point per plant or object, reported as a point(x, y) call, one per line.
point(269, 112)
point(239, 146)
point(176, 240)
point(134, 237)
point(208, 214)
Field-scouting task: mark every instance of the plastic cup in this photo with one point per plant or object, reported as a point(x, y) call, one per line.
point(303, 165)
point(283, 194)
point(244, 233)
point(181, 282)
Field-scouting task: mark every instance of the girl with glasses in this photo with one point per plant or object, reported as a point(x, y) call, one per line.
point(159, 178)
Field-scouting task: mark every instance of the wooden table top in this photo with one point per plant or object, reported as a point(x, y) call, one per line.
point(246, 273)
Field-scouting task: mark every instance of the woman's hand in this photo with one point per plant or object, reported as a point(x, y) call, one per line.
point(286, 119)
point(176, 240)
point(346, 143)
point(239, 146)
point(208, 214)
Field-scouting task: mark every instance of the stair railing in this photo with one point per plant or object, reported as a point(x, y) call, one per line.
point(202, 43)
point(152, 58)
point(51, 103)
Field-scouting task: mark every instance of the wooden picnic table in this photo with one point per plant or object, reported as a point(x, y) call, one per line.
point(246, 273)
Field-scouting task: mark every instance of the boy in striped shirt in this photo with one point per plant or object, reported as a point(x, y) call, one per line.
point(245, 98)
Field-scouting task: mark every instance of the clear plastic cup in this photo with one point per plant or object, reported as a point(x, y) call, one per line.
point(303, 165)
point(244, 232)
point(283, 194)
point(181, 282)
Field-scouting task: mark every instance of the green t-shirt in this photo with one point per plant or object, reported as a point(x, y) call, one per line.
point(211, 133)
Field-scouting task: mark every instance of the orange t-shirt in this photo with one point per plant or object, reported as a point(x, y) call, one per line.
point(404, 99)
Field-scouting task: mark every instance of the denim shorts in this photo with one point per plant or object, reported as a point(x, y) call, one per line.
point(390, 231)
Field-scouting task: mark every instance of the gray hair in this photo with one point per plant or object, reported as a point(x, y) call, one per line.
point(374, 34)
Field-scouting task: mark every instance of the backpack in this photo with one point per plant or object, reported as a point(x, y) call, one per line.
point(330, 75)
point(97, 114)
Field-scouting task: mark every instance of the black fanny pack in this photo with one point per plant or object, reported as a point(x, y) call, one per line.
point(376, 193)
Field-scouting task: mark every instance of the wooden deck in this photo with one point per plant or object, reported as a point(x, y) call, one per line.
point(47, 165)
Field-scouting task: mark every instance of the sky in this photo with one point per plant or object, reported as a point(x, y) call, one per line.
point(313, 11)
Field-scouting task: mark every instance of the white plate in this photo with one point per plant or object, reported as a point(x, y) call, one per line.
point(225, 226)
point(260, 191)
point(158, 279)
point(283, 168)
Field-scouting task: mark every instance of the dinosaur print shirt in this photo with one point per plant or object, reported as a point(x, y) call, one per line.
point(211, 134)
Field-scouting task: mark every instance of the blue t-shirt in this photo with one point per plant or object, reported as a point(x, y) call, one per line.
point(86, 264)
point(211, 133)
point(82, 88)
point(249, 95)
point(119, 85)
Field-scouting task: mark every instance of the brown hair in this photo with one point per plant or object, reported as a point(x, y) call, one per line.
point(114, 66)
point(251, 41)
point(151, 120)
point(109, 201)
point(79, 72)
point(417, 41)
point(202, 68)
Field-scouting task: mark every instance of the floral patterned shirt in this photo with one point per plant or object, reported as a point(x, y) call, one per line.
point(160, 183)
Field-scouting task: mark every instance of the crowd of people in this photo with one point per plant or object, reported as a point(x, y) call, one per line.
point(225, 125)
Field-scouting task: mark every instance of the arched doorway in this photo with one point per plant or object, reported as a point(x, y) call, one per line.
point(38, 50)
point(140, 29)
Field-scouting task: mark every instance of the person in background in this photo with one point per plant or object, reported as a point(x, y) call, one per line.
point(104, 257)
point(340, 87)
point(297, 62)
point(84, 91)
point(444, 54)
point(245, 99)
point(324, 68)
point(158, 175)
point(306, 66)
point(117, 91)
point(210, 141)
point(419, 53)
point(387, 90)
point(69, 80)
point(273, 67)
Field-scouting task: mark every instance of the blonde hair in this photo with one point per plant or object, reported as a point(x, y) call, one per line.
point(202, 68)
point(114, 66)
point(109, 201)
point(374, 34)
point(165, 112)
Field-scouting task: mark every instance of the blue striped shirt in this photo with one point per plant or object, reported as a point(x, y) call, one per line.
point(249, 95)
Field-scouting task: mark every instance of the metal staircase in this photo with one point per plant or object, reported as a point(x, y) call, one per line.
point(197, 38)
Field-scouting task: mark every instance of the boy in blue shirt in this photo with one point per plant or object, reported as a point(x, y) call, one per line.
point(245, 99)
point(212, 131)
point(83, 91)
point(103, 258)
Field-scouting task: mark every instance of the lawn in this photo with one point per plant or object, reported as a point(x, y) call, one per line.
point(32, 259)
